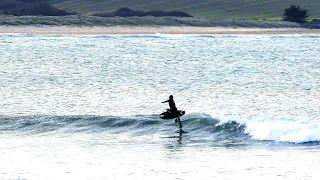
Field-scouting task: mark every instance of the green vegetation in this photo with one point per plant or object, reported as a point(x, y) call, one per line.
point(126, 12)
point(295, 14)
point(83, 20)
point(206, 13)
point(222, 9)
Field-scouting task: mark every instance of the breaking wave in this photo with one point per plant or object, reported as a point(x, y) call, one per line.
point(199, 125)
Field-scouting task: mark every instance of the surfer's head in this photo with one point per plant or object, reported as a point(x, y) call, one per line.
point(170, 97)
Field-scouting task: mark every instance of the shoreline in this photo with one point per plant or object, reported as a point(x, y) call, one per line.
point(77, 30)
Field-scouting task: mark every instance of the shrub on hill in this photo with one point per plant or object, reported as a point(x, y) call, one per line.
point(30, 7)
point(295, 14)
point(126, 12)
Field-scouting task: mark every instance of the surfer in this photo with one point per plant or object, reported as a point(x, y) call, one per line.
point(173, 109)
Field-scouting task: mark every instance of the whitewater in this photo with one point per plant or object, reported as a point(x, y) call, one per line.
point(87, 107)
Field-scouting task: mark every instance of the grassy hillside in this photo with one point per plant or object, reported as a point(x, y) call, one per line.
point(243, 9)
point(82, 20)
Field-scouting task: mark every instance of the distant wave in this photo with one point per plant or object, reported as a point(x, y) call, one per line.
point(162, 36)
point(197, 124)
point(152, 36)
point(295, 36)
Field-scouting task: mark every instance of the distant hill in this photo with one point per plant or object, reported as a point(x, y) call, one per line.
point(30, 7)
point(227, 9)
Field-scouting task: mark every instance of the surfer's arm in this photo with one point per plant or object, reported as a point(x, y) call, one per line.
point(165, 101)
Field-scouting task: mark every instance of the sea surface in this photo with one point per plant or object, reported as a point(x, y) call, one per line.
point(87, 107)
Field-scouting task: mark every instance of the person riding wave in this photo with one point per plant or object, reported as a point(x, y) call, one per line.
point(173, 109)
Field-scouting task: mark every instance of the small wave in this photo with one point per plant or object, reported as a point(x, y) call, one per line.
point(104, 37)
point(155, 36)
point(295, 36)
point(152, 36)
point(200, 36)
point(135, 36)
point(11, 35)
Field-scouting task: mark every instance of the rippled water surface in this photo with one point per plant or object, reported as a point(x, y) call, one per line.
point(86, 107)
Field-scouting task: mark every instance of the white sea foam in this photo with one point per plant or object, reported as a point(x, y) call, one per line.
point(277, 129)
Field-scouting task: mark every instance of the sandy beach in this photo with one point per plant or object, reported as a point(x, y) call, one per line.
point(151, 30)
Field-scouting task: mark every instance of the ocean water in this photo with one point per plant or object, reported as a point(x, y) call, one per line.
point(87, 107)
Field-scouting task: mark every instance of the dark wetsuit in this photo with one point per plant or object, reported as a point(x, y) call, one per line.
point(173, 107)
